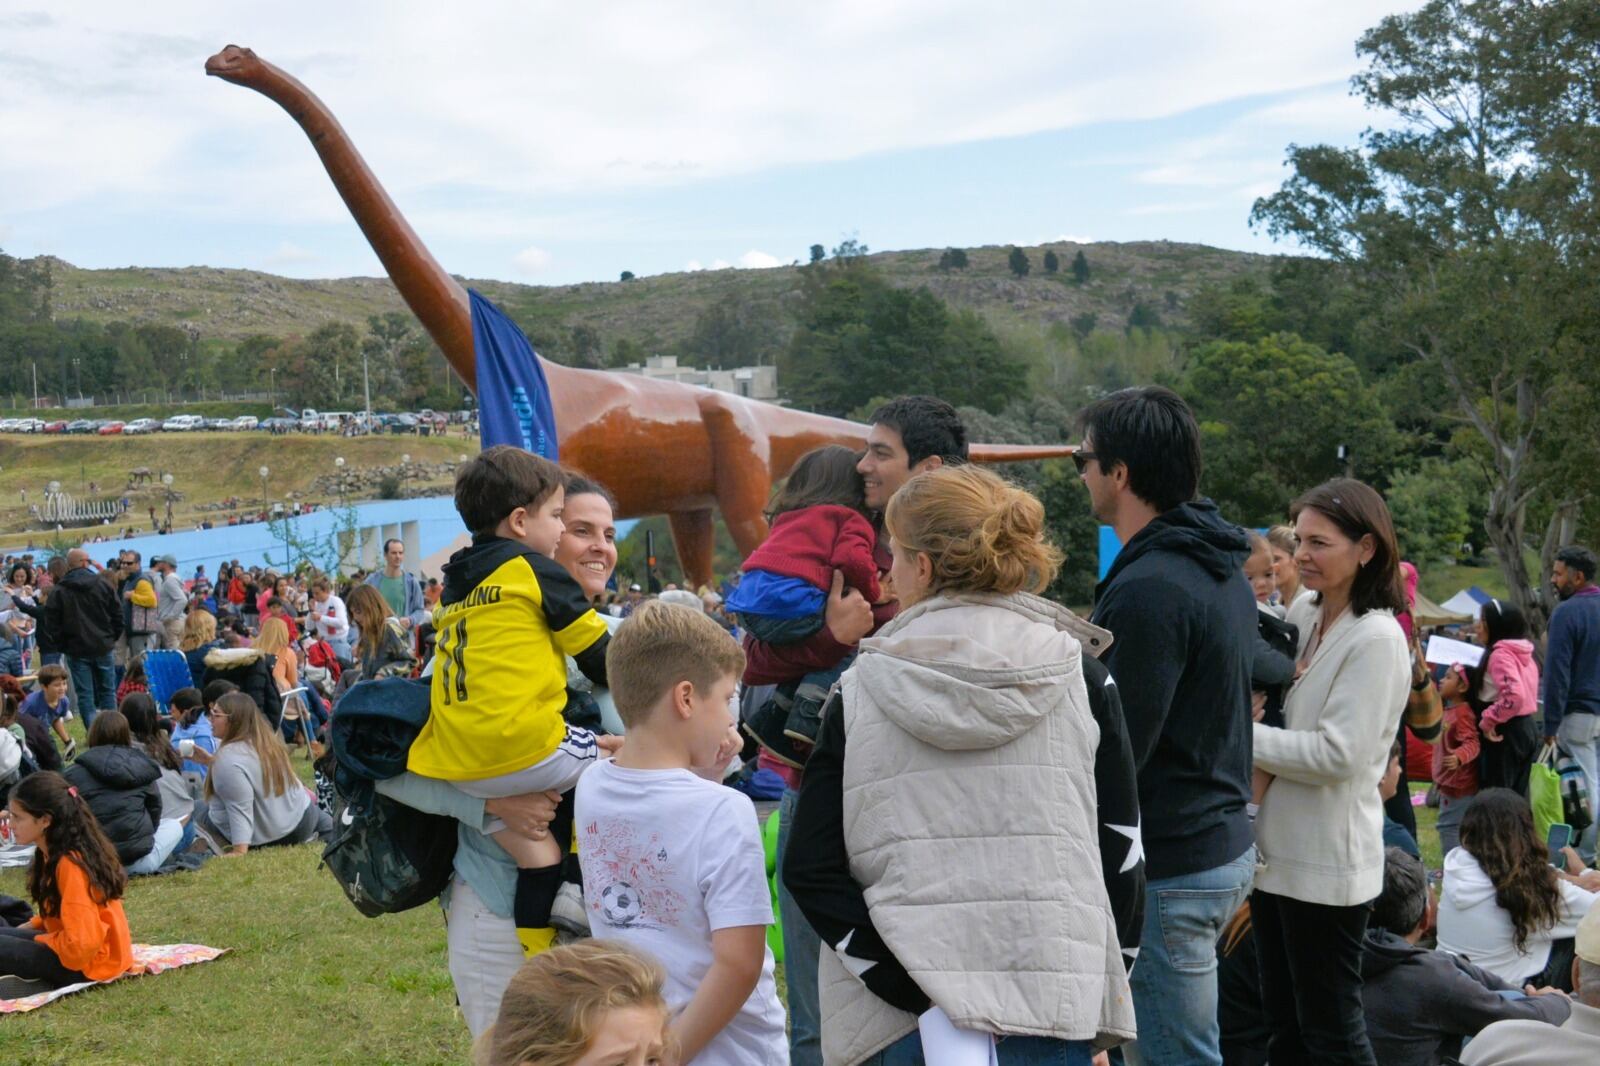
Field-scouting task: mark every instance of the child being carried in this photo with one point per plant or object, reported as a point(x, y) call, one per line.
point(819, 527)
point(508, 618)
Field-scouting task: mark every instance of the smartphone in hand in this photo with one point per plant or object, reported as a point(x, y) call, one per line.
point(1559, 838)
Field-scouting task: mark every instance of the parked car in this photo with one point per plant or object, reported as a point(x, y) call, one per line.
point(81, 425)
point(29, 425)
point(219, 423)
point(182, 423)
point(403, 423)
point(276, 425)
point(244, 422)
point(141, 425)
point(111, 429)
point(57, 426)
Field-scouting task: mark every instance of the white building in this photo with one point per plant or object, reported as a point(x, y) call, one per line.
point(751, 382)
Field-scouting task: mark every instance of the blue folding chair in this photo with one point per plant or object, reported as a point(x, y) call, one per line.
point(166, 672)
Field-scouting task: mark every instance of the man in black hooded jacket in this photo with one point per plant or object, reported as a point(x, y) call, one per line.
point(1183, 622)
point(83, 611)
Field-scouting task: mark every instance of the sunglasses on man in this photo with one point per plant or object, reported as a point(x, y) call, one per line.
point(1082, 459)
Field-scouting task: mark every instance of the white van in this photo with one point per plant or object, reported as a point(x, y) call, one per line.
point(182, 423)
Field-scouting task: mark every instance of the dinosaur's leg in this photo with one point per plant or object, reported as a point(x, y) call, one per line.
point(694, 537)
point(741, 458)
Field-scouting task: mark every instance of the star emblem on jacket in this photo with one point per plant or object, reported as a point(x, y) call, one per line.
point(1135, 845)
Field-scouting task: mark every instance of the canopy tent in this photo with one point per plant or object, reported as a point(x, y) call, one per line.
point(1427, 613)
point(1469, 601)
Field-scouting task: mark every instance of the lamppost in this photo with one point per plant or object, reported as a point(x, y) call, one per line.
point(405, 464)
point(263, 472)
point(338, 465)
point(166, 479)
point(272, 383)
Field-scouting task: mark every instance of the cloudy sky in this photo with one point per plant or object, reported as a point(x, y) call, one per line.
point(556, 142)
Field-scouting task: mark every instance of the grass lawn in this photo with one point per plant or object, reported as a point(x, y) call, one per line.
point(307, 979)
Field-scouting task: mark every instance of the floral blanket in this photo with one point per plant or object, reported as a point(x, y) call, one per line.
point(147, 959)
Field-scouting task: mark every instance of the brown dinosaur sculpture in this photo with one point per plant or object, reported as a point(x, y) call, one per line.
point(661, 447)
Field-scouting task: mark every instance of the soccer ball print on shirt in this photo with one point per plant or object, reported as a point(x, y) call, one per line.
point(631, 890)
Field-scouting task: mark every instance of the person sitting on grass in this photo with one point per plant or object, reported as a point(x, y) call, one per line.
point(253, 798)
point(118, 782)
point(133, 680)
point(381, 648)
point(191, 722)
point(199, 637)
point(29, 731)
point(48, 703)
point(177, 796)
point(580, 1005)
point(76, 881)
point(1420, 1004)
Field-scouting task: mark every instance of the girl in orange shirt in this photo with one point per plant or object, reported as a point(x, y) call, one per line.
point(76, 881)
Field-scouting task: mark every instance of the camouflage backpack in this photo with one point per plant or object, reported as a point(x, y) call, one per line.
point(387, 857)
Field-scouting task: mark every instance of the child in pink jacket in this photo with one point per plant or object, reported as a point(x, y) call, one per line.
point(1505, 691)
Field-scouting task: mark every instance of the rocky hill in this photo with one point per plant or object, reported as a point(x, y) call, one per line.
point(226, 305)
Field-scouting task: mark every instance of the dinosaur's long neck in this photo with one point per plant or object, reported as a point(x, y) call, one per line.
point(433, 295)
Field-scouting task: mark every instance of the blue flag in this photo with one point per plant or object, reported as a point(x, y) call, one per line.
point(513, 399)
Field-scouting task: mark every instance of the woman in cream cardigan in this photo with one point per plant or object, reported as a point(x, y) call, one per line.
point(1320, 827)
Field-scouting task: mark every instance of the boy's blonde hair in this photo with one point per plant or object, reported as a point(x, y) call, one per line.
point(660, 645)
point(982, 533)
point(556, 1003)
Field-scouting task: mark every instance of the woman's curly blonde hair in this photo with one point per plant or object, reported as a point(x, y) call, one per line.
point(556, 1003)
point(982, 533)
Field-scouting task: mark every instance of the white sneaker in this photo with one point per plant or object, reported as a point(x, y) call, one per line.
point(567, 912)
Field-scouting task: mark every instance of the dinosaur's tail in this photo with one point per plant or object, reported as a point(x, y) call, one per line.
point(1018, 453)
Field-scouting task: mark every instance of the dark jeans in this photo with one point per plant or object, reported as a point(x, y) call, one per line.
point(22, 956)
point(96, 683)
point(771, 630)
point(1311, 980)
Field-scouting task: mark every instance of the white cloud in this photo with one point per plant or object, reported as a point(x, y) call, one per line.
point(693, 265)
point(719, 264)
point(288, 255)
point(533, 260)
point(755, 260)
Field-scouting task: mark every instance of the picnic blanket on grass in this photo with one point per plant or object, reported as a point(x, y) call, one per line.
point(147, 959)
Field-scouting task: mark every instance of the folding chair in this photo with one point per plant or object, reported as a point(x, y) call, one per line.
point(296, 697)
point(166, 671)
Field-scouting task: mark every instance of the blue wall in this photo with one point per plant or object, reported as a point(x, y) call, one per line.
point(436, 518)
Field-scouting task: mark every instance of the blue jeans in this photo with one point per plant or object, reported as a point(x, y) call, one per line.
point(801, 948)
point(1175, 979)
point(95, 681)
point(1011, 1051)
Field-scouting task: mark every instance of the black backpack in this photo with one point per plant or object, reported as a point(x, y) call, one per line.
point(386, 856)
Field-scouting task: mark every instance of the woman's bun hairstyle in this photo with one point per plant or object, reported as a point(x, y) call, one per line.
point(982, 533)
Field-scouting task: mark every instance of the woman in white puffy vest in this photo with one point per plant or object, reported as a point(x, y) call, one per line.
point(967, 839)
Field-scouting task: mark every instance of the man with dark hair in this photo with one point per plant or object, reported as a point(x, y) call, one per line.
point(1572, 667)
point(398, 586)
point(1183, 623)
point(909, 435)
point(1418, 1003)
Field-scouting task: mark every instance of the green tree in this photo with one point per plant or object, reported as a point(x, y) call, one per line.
point(732, 331)
point(953, 259)
point(1468, 219)
point(1080, 268)
point(1143, 316)
point(1272, 414)
point(1431, 510)
point(627, 275)
point(587, 348)
point(1083, 324)
point(1052, 262)
point(818, 253)
point(858, 336)
point(1018, 262)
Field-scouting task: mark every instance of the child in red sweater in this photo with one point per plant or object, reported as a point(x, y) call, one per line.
point(819, 527)
point(1455, 757)
point(76, 881)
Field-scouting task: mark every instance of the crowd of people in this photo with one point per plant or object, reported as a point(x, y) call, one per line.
point(1171, 832)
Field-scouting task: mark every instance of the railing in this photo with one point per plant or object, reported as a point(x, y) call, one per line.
point(60, 509)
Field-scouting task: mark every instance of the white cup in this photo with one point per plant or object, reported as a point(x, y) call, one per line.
point(186, 748)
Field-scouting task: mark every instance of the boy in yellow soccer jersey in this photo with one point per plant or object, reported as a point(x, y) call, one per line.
point(507, 619)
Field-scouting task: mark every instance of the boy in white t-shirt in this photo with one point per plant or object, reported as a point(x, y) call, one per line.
point(672, 862)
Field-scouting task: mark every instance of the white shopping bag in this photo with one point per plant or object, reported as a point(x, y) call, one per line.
point(945, 1045)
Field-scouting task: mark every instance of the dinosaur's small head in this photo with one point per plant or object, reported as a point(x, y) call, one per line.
point(235, 64)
